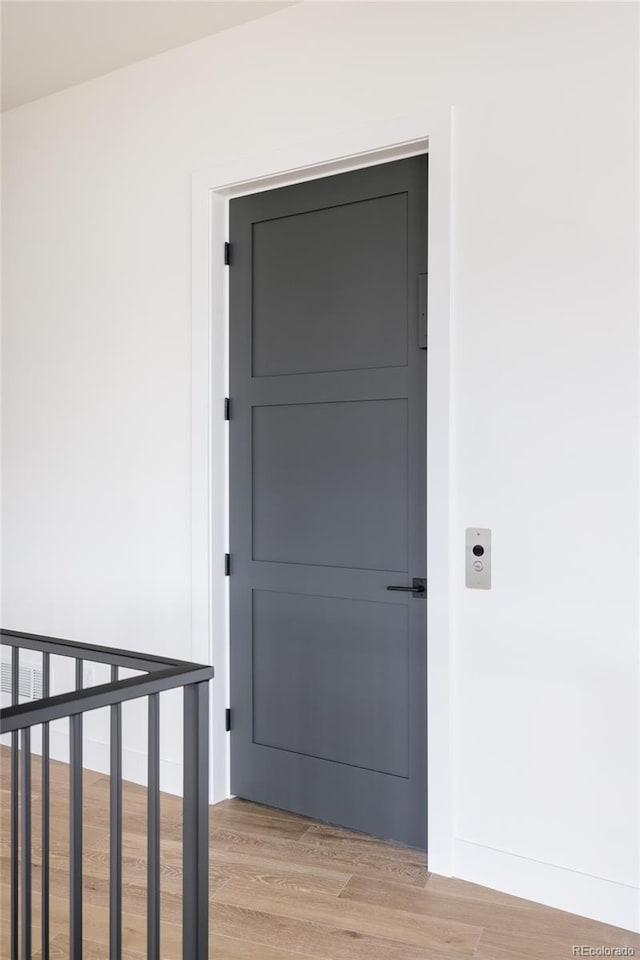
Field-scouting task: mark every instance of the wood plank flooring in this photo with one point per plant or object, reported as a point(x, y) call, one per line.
point(282, 888)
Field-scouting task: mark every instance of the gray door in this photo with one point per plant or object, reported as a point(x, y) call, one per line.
point(327, 485)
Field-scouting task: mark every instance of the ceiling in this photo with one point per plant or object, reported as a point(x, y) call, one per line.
point(48, 45)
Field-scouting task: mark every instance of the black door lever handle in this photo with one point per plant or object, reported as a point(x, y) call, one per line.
point(418, 588)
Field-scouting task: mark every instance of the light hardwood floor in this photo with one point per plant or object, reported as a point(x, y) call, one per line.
point(283, 888)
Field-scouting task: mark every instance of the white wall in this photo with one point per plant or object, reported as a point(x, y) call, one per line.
point(96, 380)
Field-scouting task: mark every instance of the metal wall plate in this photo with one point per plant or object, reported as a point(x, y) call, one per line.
point(478, 558)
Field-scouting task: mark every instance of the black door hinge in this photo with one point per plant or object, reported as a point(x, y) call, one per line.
point(227, 719)
point(227, 253)
point(423, 330)
point(227, 564)
point(227, 408)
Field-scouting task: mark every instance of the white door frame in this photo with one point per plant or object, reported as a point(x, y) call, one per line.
point(426, 132)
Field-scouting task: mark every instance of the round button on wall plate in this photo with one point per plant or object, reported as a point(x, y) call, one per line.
point(477, 558)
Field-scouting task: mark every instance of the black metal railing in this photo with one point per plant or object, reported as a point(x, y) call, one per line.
point(159, 674)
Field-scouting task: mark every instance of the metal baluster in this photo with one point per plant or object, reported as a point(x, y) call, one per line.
point(153, 831)
point(115, 831)
point(45, 814)
point(25, 789)
point(195, 823)
point(15, 680)
point(75, 827)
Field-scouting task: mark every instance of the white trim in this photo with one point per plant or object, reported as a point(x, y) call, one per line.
point(405, 136)
point(584, 894)
point(96, 756)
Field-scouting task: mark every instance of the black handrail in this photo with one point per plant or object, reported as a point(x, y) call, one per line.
point(104, 695)
point(97, 654)
point(159, 674)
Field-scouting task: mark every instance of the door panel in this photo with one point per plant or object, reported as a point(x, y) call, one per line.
point(304, 647)
point(313, 501)
point(330, 288)
point(327, 492)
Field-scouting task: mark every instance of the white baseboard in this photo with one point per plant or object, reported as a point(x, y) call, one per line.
point(134, 764)
point(605, 900)
point(95, 756)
